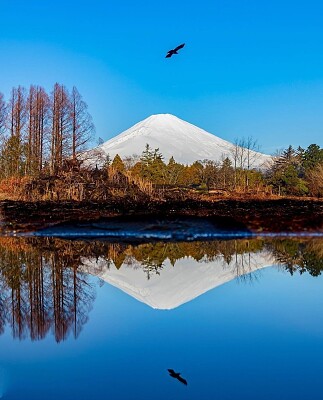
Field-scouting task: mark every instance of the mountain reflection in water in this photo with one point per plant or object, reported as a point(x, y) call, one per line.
point(45, 283)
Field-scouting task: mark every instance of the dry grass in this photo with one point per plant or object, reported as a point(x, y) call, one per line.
point(105, 185)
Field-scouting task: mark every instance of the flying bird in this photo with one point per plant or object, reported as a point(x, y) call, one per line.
point(174, 51)
point(176, 375)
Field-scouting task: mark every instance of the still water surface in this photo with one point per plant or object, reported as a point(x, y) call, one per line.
point(240, 319)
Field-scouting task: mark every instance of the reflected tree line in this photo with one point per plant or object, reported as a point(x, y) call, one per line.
point(152, 256)
point(299, 256)
point(43, 287)
point(42, 290)
point(292, 254)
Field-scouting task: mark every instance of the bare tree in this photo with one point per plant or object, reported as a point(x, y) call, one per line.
point(38, 108)
point(30, 129)
point(42, 119)
point(41, 129)
point(252, 155)
point(3, 116)
point(3, 120)
point(82, 124)
point(61, 126)
point(14, 145)
point(242, 153)
point(235, 158)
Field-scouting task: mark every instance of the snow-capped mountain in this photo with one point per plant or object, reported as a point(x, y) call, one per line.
point(174, 137)
point(176, 284)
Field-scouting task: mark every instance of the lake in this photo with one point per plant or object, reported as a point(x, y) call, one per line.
point(93, 319)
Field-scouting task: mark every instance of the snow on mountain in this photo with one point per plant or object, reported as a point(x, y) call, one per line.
point(178, 284)
point(174, 137)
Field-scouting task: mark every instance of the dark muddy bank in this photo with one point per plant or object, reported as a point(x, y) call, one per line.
point(283, 215)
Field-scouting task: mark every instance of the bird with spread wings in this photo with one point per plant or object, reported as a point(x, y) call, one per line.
point(176, 375)
point(174, 51)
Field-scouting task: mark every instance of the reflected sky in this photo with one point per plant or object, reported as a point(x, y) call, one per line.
point(257, 335)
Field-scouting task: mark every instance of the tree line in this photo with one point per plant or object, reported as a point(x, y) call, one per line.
point(38, 130)
point(230, 174)
point(292, 172)
point(297, 171)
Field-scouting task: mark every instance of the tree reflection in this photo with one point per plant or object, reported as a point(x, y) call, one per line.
point(42, 289)
point(43, 286)
point(299, 255)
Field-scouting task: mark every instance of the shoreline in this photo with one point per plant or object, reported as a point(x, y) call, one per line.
point(256, 216)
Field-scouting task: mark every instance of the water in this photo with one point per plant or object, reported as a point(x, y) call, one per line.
point(92, 319)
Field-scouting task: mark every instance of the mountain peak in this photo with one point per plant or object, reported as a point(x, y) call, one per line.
point(162, 116)
point(173, 137)
point(162, 119)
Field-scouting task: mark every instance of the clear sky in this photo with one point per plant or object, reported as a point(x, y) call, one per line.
point(249, 68)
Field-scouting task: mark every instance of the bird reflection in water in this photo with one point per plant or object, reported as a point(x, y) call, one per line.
point(177, 376)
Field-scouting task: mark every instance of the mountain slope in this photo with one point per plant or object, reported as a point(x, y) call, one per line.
point(174, 137)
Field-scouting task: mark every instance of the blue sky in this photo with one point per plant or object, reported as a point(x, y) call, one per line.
point(249, 68)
